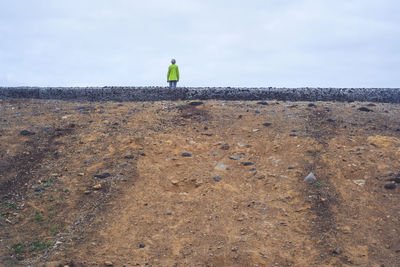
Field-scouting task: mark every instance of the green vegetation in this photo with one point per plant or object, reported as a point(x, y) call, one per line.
point(6, 206)
point(55, 229)
point(38, 246)
point(21, 247)
point(318, 184)
point(38, 217)
point(18, 247)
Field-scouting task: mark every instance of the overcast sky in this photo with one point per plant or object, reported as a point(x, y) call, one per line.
point(254, 43)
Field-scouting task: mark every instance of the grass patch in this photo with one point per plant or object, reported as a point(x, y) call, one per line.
point(318, 185)
point(38, 217)
point(38, 246)
point(18, 248)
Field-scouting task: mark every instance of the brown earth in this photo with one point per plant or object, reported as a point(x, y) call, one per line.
point(159, 207)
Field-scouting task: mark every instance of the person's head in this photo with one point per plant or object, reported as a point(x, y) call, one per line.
point(173, 61)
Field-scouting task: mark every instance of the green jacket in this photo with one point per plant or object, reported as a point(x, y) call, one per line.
point(173, 73)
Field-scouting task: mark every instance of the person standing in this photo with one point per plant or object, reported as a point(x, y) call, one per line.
point(173, 74)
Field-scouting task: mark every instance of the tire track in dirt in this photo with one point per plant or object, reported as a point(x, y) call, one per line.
point(322, 194)
point(36, 149)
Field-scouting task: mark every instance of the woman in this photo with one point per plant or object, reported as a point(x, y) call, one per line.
point(173, 74)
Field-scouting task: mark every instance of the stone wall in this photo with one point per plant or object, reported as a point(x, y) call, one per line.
point(384, 95)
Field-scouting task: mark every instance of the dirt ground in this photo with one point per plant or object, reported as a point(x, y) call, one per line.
point(190, 183)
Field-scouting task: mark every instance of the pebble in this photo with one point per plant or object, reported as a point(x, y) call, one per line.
point(293, 134)
point(264, 103)
point(359, 182)
point(129, 157)
point(217, 178)
point(186, 154)
point(235, 157)
point(365, 109)
point(225, 147)
point(81, 174)
point(108, 263)
point(141, 245)
point(103, 175)
point(196, 103)
point(97, 187)
point(267, 124)
point(390, 186)
point(330, 120)
point(310, 178)
point(290, 167)
point(247, 163)
point(199, 182)
point(26, 132)
point(396, 180)
point(174, 182)
point(336, 251)
point(169, 213)
point(240, 144)
point(311, 105)
point(257, 111)
point(221, 166)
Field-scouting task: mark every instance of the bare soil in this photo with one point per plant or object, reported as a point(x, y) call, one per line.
point(237, 197)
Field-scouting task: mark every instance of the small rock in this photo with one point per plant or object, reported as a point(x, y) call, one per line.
point(225, 147)
point(396, 180)
point(108, 263)
point(199, 182)
point(97, 187)
point(217, 178)
point(174, 182)
point(257, 111)
point(240, 144)
point(247, 163)
point(141, 245)
point(365, 109)
point(336, 251)
point(39, 189)
point(310, 178)
point(221, 166)
point(311, 105)
point(264, 103)
point(129, 157)
point(169, 213)
point(81, 174)
point(290, 167)
point(330, 120)
point(196, 103)
point(102, 176)
point(359, 182)
point(253, 169)
point(26, 132)
point(292, 134)
point(267, 124)
point(87, 192)
point(235, 157)
point(397, 129)
point(390, 186)
point(186, 154)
